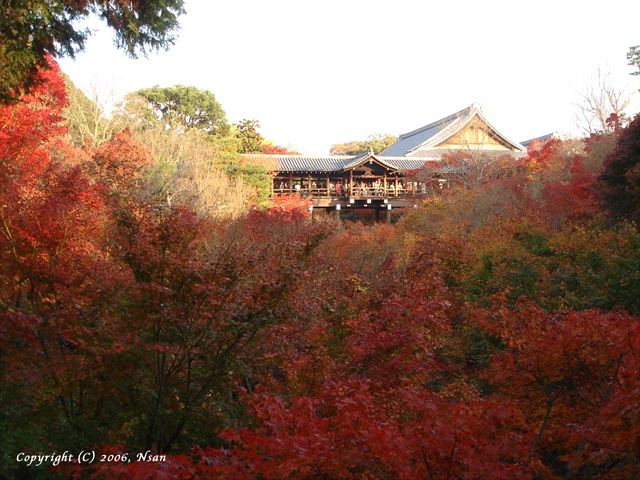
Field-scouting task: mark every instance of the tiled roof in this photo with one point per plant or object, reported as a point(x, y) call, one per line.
point(301, 163)
point(338, 163)
point(436, 132)
point(410, 141)
point(355, 160)
point(406, 163)
point(409, 152)
point(363, 157)
point(541, 139)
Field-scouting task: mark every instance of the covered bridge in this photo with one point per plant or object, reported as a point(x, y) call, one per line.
point(335, 181)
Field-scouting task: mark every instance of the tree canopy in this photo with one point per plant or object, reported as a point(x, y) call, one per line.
point(252, 141)
point(374, 143)
point(621, 175)
point(250, 138)
point(32, 29)
point(188, 107)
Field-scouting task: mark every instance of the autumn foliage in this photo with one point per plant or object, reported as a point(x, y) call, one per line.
point(490, 333)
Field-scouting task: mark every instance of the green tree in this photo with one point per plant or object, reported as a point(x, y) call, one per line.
point(31, 30)
point(250, 139)
point(187, 107)
point(374, 143)
point(191, 166)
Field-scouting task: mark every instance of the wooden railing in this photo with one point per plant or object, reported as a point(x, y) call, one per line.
point(358, 192)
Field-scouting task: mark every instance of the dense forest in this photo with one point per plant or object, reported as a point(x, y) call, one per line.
point(151, 300)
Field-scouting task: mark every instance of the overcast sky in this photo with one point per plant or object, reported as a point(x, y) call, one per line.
point(319, 73)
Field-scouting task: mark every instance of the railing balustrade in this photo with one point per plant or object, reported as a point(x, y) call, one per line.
point(358, 191)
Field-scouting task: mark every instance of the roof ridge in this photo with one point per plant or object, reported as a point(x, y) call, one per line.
point(447, 119)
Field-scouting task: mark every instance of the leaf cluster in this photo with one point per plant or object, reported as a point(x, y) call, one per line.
point(33, 30)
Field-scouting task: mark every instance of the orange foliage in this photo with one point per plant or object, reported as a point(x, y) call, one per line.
point(293, 206)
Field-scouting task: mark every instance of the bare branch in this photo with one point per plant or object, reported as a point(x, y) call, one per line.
point(598, 101)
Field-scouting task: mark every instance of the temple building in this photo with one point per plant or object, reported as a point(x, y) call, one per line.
point(380, 180)
point(466, 130)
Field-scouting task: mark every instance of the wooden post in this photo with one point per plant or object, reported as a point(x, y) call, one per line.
point(290, 183)
point(338, 211)
point(396, 180)
point(384, 183)
point(388, 213)
point(309, 182)
point(328, 189)
point(351, 183)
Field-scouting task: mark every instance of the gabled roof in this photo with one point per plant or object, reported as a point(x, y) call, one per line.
point(340, 163)
point(410, 141)
point(436, 132)
point(368, 157)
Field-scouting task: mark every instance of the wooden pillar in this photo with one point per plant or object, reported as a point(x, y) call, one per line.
point(290, 183)
point(384, 184)
point(388, 219)
point(309, 182)
point(328, 189)
point(351, 183)
point(338, 211)
point(396, 180)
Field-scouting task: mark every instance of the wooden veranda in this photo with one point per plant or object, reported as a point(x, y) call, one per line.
point(363, 178)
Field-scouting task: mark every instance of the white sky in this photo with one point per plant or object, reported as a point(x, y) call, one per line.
point(319, 73)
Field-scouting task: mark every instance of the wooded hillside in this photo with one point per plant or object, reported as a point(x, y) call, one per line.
point(490, 333)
